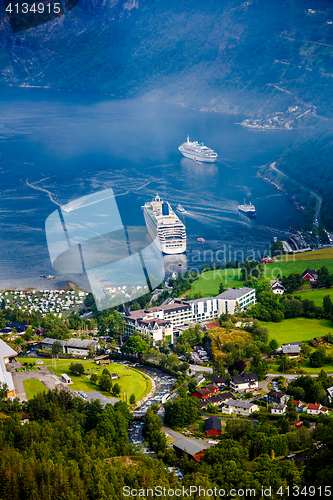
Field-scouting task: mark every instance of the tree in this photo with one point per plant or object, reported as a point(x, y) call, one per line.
point(116, 389)
point(94, 378)
point(28, 334)
point(3, 390)
point(317, 358)
point(192, 385)
point(221, 288)
point(327, 307)
point(291, 411)
point(273, 345)
point(105, 381)
point(76, 369)
point(135, 344)
point(277, 249)
point(57, 348)
point(132, 399)
point(238, 366)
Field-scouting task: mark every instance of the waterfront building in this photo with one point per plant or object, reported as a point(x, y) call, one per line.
point(7, 354)
point(242, 296)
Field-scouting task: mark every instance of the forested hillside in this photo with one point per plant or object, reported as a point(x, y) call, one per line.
point(254, 56)
point(310, 162)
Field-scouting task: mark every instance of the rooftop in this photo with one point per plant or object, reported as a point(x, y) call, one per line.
point(235, 293)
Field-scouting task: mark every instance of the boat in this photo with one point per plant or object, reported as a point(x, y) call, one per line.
point(197, 152)
point(247, 209)
point(202, 240)
point(162, 220)
point(181, 209)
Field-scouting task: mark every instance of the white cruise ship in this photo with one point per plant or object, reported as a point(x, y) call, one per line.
point(162, 220)
point(197, 151)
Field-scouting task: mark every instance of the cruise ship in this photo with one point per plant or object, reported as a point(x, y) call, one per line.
point(249, 210)
point(196, 151)
point(162, 220)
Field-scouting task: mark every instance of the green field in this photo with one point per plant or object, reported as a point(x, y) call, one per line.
point(324, 253)
point(33, 387)
point(298, 329)
point(209, 282)
point(130, 380)
point(316, 295)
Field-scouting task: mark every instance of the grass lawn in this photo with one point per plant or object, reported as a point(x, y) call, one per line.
point(209, 282)
point(33, 387)
point(325, 253)
point(298, 329)
point(130, 380)
point(316, 295)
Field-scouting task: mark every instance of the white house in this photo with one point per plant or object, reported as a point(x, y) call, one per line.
point(6, 353)
point(246, 382)
point(316, 409)
point(277, 287)
point(278, 409)
point(292, 348)
point(239, 407)
point(243, 296)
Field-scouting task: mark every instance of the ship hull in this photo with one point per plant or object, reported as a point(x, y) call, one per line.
point(249, 214)
point(197, 157)
point(181, 243)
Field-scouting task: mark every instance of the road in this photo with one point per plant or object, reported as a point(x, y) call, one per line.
point(198, 368)
point(44, 375)
point(177, 435)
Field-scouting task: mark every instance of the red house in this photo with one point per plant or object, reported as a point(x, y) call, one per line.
point(213, 426)
point(310, 275)
point(205, 392)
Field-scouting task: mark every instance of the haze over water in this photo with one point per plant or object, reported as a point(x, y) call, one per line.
point(56, 146)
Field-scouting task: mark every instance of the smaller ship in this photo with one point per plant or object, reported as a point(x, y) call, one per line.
point(202, 240)
point(247, 209)
point(180, 209)
point(48, 276)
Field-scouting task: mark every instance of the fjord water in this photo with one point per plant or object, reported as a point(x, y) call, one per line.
point(57, 146)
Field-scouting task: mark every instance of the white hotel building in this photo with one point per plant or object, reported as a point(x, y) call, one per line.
point(160, 321)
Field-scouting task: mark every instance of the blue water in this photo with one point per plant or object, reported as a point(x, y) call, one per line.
point(56, 146)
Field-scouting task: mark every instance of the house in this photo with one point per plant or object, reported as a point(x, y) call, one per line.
point(324, 410)
point(213, 426)
point(216, 400)
point(329, 394)
point(71, 346)
point(277, 287)
point(114, 376)
point(190, 447)
point(199, 378)
point(292, 348)
point(313, 409)
point(310, 275)
point(239, 407)
point(300, 407)
point(65, 378)
point(205, 392)
point(277, 397)
point(242, 296)
point(220, 381)
point(19, 327)
point(278, 409)
point(7, 354)
point(24, 418)
point(245, 382)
